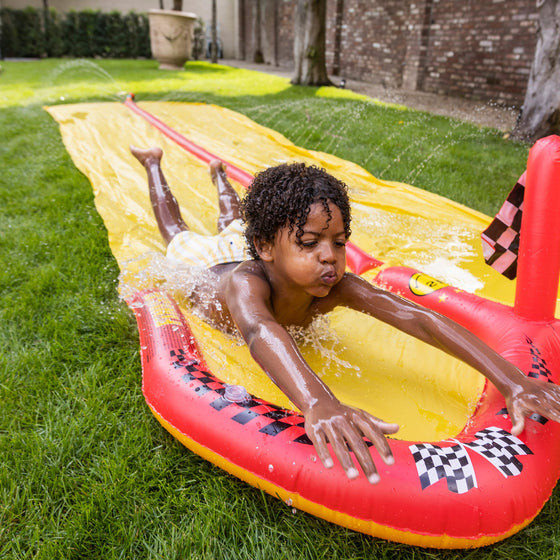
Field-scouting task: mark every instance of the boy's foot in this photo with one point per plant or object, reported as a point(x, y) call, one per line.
point(150, 155)
point(216, 167)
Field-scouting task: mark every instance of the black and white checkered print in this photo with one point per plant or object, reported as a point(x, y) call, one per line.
point(452, 463)
point(539, 368)
point(500, 448)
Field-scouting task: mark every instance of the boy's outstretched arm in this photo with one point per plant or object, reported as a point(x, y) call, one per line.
point(523, 395)
point(326, 418)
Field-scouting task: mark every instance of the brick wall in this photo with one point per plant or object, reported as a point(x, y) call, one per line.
point(371, 39)
point(480, 49)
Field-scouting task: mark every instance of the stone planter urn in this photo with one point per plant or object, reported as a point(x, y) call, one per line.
point(171, 35)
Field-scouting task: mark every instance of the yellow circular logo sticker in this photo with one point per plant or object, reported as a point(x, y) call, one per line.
point(421, 284)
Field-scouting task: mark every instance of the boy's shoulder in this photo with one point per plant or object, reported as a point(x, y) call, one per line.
point(249, 274)
point(244, 288)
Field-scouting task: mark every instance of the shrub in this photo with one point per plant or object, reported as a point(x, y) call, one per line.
point(54, 41)
point(22, 33)
point(138, 35)
point(81, 34)
point(9, 42)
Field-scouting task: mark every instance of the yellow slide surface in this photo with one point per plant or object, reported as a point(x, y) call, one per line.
point(366, 363)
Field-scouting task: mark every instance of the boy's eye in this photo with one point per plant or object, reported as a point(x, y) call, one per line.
point(340, 243)
point(308, 243)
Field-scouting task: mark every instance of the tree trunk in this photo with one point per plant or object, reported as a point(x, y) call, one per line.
point(540, 114)
point(309, 43)
point(338, 36)
point(46, 26)
point(214, 43)
point(258, 56)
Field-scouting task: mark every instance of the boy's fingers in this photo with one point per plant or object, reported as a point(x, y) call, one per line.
point(551, 408)
point(361, 451)
point(539, 396)
point(346, 434)
point(389, 428)
point(339, 447)
point(338, 444)
point(372, 431)
point(517, 420)
point(321, 448)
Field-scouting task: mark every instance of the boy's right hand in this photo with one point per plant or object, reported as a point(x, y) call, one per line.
point(344, 427)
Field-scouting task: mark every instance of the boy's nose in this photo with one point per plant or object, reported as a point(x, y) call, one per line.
point(328, 253)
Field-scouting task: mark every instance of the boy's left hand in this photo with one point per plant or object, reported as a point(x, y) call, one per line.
point(530, 396)
point(344, 427)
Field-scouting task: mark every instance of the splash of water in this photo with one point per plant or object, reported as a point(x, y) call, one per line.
point(325, 342)
point(155, 271)
point(324, 123)
point(109, 87)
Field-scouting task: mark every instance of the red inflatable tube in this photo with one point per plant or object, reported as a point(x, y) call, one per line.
point(473, 490)
point(538, 268)
point(478, 488)
point(234, 172)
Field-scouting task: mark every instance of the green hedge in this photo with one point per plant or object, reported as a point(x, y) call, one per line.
point(35, 33)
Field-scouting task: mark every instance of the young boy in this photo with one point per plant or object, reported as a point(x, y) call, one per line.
point(297, 223)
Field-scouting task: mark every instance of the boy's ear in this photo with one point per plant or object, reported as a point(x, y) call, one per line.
point(264, 249)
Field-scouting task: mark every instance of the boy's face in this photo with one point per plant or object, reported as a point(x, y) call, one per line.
point(313, 263)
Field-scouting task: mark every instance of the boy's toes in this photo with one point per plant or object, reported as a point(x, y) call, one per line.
point(144, 155)
point(216, 166)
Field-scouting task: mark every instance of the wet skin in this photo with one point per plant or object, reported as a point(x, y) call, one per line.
point(289, 285)
point(295, 280)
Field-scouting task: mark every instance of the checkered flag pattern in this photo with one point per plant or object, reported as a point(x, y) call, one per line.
point(539, 368)
point(452, 463)
point(273, 420)
point(500, 240)
point(500, 448)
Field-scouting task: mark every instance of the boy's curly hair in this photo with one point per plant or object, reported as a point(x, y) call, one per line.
point(282, 196)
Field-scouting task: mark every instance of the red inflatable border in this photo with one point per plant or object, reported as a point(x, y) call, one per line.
point(480, 487)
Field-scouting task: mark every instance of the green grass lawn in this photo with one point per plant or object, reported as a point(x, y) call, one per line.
point(85, 469)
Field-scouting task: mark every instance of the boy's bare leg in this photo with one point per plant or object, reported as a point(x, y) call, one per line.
point(228, 199)
point(164, 204)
